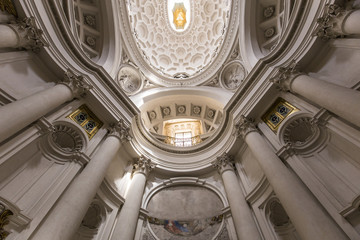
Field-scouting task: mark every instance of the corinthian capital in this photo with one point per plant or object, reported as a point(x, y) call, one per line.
point(285, 76)
point(330, 24)
point(143, 165)
point(30, 37)
point(120, 130)
point(245, 126)
point(223, 163)
point(77, 84)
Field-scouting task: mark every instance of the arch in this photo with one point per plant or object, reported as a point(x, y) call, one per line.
point(186, 181)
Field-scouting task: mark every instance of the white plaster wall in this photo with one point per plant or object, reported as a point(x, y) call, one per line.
point(22, 74)
point(338, 62)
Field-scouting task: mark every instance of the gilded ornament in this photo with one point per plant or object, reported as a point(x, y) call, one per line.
point(8, 6)
point(4, 214)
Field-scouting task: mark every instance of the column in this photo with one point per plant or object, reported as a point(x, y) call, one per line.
point(19, 114)
point(342, 101)
point(309, 218)
point(22, 34)
point(125, 227)
point(64, 219)
point(338, 21)
point(245, 225)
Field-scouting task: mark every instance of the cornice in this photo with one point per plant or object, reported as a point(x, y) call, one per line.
point(72, 48)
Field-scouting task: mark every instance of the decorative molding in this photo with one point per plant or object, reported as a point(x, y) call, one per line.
point(120, 130)
point(17, 220)
point(330, 24)
point(130, 79)
point(64, 141)
point(4, 214)
point(224, 163)
point(277, 113)
point(84, 117)
point(245, 126)
point(67, 138)
point(30, 37)
point(44, 126)
point(76, 83)
point(285, 75)
point(301, 134)
point(157, 75)
point(232, 75)
point(143, 165)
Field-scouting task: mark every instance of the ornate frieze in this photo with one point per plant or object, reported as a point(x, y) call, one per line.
point(143, 165)
point(330, 24)
point(285, 76)
point(245, 126)
point(30, 37)
point(76, 83)
point(223, 163)
point(120, 130)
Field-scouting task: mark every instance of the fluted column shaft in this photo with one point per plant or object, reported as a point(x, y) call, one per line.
point(9, 38)
point(65, 218)
point(342, 101)
point(351, 23)
point(338, 21)
point(19, 114)
point(22, 33)
point(125, 227)
point(309, 218)
point(245, 225)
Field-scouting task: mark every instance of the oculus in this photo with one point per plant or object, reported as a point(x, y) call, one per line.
point(179, 14)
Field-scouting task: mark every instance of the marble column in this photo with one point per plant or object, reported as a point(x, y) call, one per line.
point(22, 34)
point(308, 216)
point(338, 21)
point(65, 217)
point(19, 114)
point(342, 101)
point(125, 227)
point(245, 225)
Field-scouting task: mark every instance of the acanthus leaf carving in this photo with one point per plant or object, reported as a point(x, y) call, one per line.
point(285, 75)
point(330, 24)
point(223, 162)
point(120, 130)
point(30, 36)
point(143, 165)
point(76, 83)
point(245, 126)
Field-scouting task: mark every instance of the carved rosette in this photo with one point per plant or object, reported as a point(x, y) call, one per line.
point(245, 126)
point(223, 163)
point(143, 165)
point(330, 24)
point(30, 37)
point(77, 84)
point(285, 76)
point(120, 130)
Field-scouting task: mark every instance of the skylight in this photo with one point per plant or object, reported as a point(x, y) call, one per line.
point(179, 14)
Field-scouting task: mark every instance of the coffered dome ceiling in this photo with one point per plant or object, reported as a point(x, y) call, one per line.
point(168, 55)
